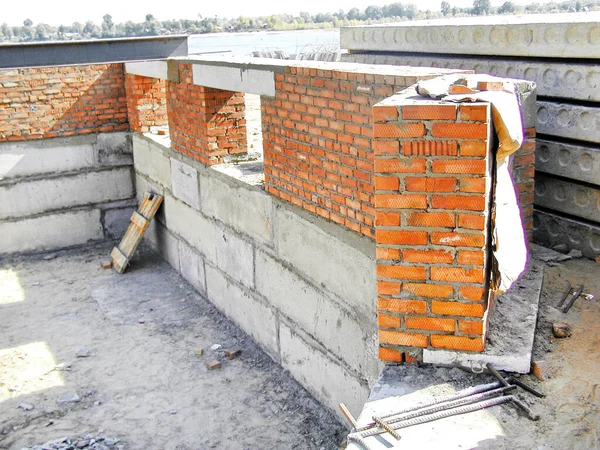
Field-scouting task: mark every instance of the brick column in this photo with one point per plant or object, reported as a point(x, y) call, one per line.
point(146, 102)
point(432, 198)
point(205, 123)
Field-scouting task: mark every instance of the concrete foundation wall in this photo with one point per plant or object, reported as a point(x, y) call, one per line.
point(302, 287)
point(62, 192)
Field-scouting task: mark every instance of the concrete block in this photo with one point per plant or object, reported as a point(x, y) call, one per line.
point(540, 35)
point(191, 266)
point(184, 180)
point(235, 257)
point(551, 229)
point(251, 315)
point(142, 185)
point(571, 81)
point(165, 243)
point(569, 121)
point(116, 221)
point(511, 329)
point(243, 208)
point(332, 324)
point(567, 197)
point(114, 149)
point(197, 230)
point(36, 196)
point(236, 79)
point(46, 156)
point(329, 260)
point(149, 159)
point(578, 162)
point(50, 231)
point(329, 382)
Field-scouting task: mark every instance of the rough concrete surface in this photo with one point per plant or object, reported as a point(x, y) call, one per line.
point(143, 382)
point(570, 412)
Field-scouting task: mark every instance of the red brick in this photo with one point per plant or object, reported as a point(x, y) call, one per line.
point(429, 184)
point(429, 112)
point(390, 355)
point(457, 309)
point(428, 290)
point(386, 147)
point(457, 274)
point(431, 219)
point(387, 219)
point(459, 166)
point(401, 272)
point(471, 258)
point(472, 185)
point(427, 256)
point(459, 130)
point(430, 323)
point(457, 343)
point(387, 253)
point(400, 165)
point(385, 113)
point(388, 288)
point(402, 338)
point(458, 239)
point(387, 183)
point(401, 306)
point(470, 327)
point(398, 130)
point(471, 222)
point(400, 201)
point(473, 148)
point(459, 202)
point(429, 148)
point(401, 237)
point(387, 321)
point(472, 293)
point(478, 113)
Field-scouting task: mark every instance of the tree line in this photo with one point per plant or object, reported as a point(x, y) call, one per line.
point(355, 16)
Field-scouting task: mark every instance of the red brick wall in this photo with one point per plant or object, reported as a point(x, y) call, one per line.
point(62, 101)
point(205, 123)
point(523, 171)
point(432, 193)
point(317, 133)
point(146, 102)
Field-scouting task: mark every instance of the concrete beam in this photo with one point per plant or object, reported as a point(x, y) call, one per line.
point(540, 35)
point(567, 197)
point(250, 81)
point(568, 160)
point(95, 51)
point(569, 121)
point(571, 81)
point(164, 70)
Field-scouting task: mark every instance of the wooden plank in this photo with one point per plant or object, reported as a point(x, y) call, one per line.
point(140, 220)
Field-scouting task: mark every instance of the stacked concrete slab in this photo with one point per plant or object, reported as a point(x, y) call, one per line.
point(561, 53)
point(62, 192)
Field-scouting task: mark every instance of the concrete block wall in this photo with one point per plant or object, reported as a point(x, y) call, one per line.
point(302, 287)
point(48, 102)
point(205, 123)
point(146, 102)
point(433, 185)
point(559, 52)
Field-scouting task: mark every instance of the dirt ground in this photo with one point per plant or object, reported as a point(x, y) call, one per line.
point(143, 382)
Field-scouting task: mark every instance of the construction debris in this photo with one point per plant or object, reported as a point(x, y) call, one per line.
point(26, 406)
point(65, 399)
point(215, 346)
point(213, 364)
point(106, 264)
point(199, 351)
point(561, 330)
point(82, 353)
point(542, 370)
point(233, 353)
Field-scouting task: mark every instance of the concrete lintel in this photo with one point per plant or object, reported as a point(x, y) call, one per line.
point(237, 79)
point(511, 329)
point(95, 51)
point(161, 69)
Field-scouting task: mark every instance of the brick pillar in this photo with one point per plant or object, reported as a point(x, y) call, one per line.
point(205, 123)
point(432, 197)
point(523, 171)
point(146, 102)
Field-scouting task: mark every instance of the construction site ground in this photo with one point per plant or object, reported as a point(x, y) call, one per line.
point(144, 384)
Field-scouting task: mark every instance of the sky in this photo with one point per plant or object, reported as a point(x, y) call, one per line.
point(68, 11)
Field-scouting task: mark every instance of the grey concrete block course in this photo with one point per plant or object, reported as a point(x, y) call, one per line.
point(313, 252)
point(151, 161)
point(164, 242)
point(552, 229)
point(142, 185)
point(329, 382)
point(114, 149)
point(243, 208)
point(116, 221)
point(200, 232)
point(50, 231)
point(567, 197)
point(184, 180)
point(332, 324)
point(543, 35)
point(569, 121)
point(578, 162)
point(250, 314)
point(35, 196)
point(235, 257)
point(553, 79)
point(191, 266)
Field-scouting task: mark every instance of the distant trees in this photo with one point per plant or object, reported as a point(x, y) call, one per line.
point(481, 7)
point(445, 8)
point(507, 8)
